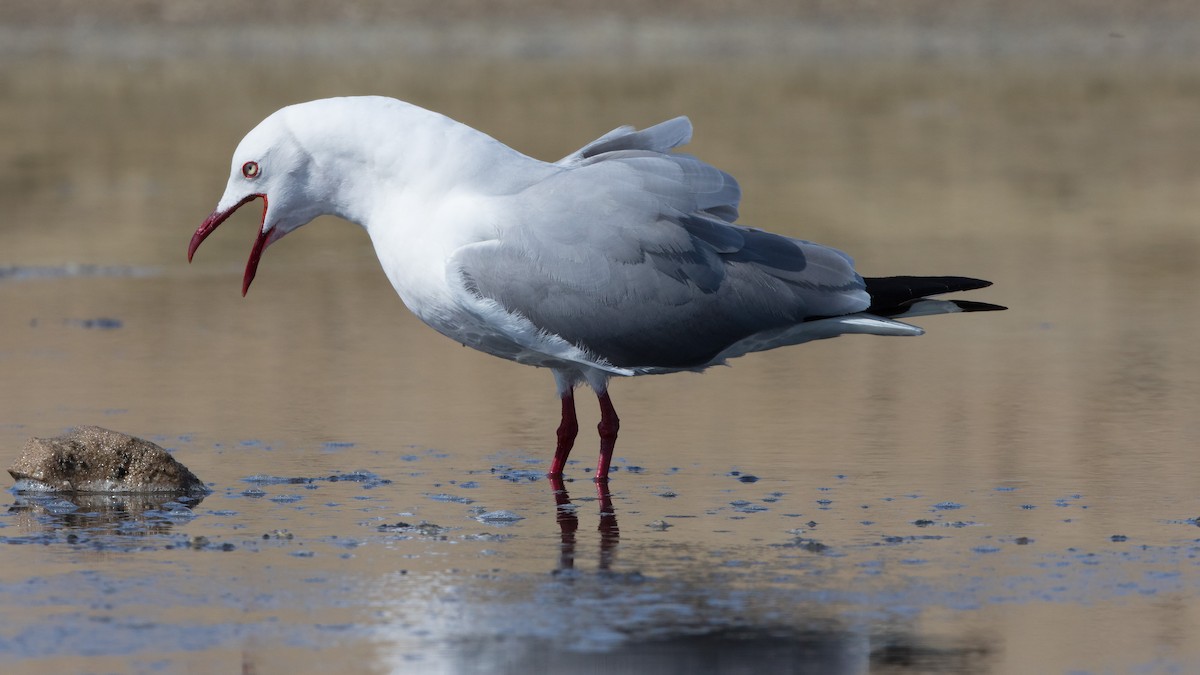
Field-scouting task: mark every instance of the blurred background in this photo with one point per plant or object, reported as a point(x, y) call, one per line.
point(1050, 147)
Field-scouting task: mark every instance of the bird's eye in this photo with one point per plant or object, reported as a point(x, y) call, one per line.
point(250, 169)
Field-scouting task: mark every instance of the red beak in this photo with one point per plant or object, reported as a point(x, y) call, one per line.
point(216, 218)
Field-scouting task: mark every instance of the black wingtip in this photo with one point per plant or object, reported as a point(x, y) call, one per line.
point(910, 287)
point(893, 295)
point(972, 306)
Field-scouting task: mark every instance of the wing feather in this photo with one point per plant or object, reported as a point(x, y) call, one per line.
point(630, 254)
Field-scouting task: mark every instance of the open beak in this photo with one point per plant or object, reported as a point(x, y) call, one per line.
point(260, 242)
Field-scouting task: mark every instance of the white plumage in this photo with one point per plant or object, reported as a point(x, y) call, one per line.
point(620, 259)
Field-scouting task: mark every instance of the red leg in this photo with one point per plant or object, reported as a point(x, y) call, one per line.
point(567, 430)
point(609, 424)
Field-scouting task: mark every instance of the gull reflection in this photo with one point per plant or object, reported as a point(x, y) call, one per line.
point(568, 523)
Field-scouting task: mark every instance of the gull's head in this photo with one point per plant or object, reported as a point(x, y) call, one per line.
point(341, 156)
point(270, 163)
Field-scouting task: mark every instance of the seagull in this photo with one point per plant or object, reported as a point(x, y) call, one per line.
point(623, 258)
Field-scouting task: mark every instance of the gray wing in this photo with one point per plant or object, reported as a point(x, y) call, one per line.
point(631, 254)
point(661, 137)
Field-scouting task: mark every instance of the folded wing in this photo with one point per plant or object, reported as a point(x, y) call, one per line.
point(631, 254)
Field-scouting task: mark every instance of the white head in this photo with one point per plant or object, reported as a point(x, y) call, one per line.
point(303, 162)
point(337, 156)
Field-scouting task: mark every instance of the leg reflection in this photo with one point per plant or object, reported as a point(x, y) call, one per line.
point(568, 524)
point(610, 534)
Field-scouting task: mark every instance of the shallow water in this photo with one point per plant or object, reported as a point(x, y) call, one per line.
point(1013, 492)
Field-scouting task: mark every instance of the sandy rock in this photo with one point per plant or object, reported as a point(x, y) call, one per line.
point(97, 460)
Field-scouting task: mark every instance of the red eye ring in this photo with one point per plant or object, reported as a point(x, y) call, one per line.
point(250, 169)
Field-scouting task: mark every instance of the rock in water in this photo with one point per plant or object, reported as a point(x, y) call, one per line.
point(98, 460)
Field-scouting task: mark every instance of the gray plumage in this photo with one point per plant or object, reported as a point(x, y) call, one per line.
point(648, 269)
